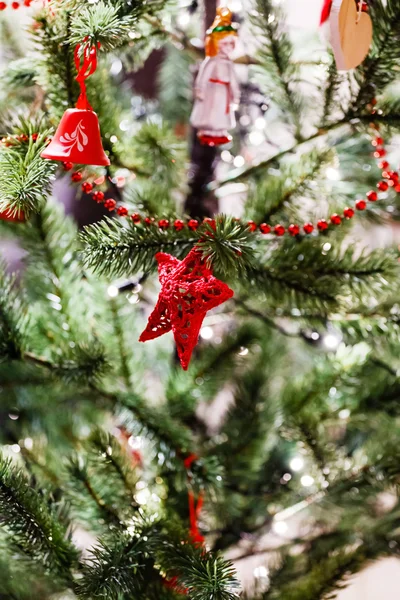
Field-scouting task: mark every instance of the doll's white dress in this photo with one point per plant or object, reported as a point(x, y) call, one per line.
point(216, 91)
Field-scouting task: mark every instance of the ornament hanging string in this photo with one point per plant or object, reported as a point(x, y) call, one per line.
point(88, 67)
point(194, 510)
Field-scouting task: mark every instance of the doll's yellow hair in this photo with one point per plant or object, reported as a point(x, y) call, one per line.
point(221, 28)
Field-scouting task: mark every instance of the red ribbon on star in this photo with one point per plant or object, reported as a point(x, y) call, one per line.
point(188, 291)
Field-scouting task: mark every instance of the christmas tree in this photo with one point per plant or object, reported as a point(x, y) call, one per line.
point(122, 474)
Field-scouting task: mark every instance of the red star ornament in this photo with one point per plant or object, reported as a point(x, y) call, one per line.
point(188, 291)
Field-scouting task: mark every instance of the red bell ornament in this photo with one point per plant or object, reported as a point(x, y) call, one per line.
point(78, 138)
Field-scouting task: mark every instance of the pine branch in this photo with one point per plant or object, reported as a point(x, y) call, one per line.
point(13, 319)
point(176, 82)
point(331, 94)
point(324, 281)
point(117, 567)
point(101, 23)
point(207, 576)
point(87, 500)
point(116, 248)
point(275, 192)
point(278, 69)
point(32, 525)
point(159, 153)
point(25, 178)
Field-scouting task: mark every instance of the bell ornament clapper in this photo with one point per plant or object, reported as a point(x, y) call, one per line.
point(217, 91)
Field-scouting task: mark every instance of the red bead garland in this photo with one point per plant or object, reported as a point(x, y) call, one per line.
point(389, 179)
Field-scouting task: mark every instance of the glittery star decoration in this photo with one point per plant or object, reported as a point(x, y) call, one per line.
point(188, 291)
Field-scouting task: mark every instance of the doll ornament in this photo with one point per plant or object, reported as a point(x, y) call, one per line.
point(217, 91)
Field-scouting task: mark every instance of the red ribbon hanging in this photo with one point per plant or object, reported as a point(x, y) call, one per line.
point(88, 67)
point(326, 11)
point(194, 513)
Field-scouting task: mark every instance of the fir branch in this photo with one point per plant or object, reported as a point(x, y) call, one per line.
point(116, 567)
point(86, 364)
point(101, 23)
point(32, 525)
point(25, 178)
point(116, 248)
point(13, 319)
point(157, 423)
point(315, 279)
point(117, 467)
point(83, 490)
point(206, 575)
point(273, 193)
point(159, 153)
point(332, 86)
point(119, 248)
point(277, 68)
point(175, 83)
point(119, 334)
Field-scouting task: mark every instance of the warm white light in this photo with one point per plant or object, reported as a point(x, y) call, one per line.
point(315, 336)
point(260, 123)
point(112, 291)
point(280, 527)
point(331, 341)
point(133, 299)
point(286, 477)
point(206, 333)
point(243, 351)
point(344, 413)
point(260, 571)
point(226, 156)
point(116, 67)
point(135, 442)
point(332, 174)
point(113, 139)
point(235, 5)
point(297, 463)
point(256, 138)
point(142, 496)
point(184, 19)
point(28, 443)
point(238, 161)
point(307, 480)
point(16, 448)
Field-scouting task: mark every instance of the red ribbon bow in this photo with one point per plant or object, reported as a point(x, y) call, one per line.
point(88, 67)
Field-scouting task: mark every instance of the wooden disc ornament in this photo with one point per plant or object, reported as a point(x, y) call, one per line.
point(350, 33)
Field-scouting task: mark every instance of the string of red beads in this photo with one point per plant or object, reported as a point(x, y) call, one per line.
point(389, 179)
point(15, 5)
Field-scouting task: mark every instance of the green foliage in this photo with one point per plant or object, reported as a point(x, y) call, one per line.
point(25, 178)
point(277, 69)
point(13, 319)
point(327, 278)
point(273, 194)
point(32, 525)
point(115, 568)
point(175, 83)
point(101, 23)
point(116, 248)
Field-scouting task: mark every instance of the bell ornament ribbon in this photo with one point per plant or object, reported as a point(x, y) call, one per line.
point(88, 67)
